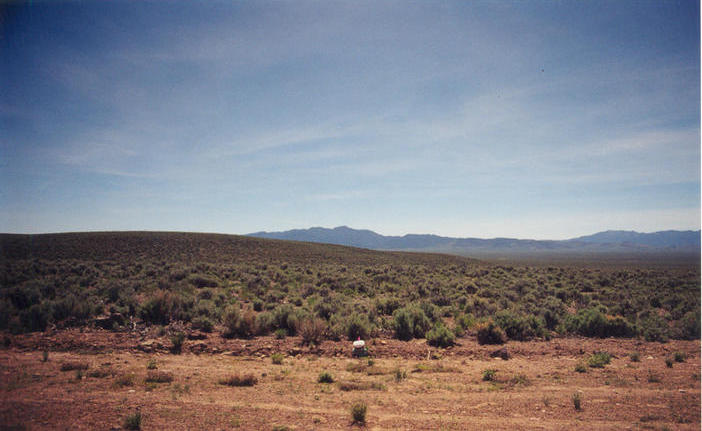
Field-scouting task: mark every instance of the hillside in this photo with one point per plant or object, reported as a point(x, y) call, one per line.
point(195, 247)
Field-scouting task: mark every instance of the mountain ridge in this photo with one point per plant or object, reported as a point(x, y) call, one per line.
point(610, 241)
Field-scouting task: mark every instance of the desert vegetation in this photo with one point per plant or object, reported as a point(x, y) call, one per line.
point(183, 331)
point(245, 287)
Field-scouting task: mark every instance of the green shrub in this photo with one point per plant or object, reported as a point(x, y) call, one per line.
point(264, 323)
point(464, 322)
point(286, 317)
point(151, 365)
point(581, 368)
point(358, 327)
point(36, 317)
point(668, 362)
point(679, 356)
point(238, 324)
point(688, 327)
point(280, 334)
point(164, 307)
point(133, 421)
point(599, 359)
point(410, 322)
point(591, 322)
point(325, 377)
point(277, 358)
point(520, 327)
point(359, 409)
point(635, 357)
point(654, 328)
point(489, 333)
point(440, 336)
point(203, 324)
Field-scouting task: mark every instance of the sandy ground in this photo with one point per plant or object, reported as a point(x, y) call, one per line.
point(443, 388)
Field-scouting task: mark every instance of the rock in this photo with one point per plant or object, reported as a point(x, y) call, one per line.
point(501, 353)
point(150, 346)
point(295, 351)
point(196, 335)
point(198, 347)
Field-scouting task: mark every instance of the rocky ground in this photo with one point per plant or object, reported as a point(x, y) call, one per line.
point(94, 379)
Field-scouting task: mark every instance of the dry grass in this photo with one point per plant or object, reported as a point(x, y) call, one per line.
point(70, 366)
point(159, 376)
point(239, 380)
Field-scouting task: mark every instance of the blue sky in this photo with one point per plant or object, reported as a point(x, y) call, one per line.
point(542, 120)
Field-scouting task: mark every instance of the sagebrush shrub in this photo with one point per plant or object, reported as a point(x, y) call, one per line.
point(238, 324)
point(490, 333)
point(599, 359)
point(312, 331)
point(440, 336)
point(410, 322)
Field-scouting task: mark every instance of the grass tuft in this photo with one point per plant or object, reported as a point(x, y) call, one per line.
point(577, 401)
point(159, 376)
point(325, 377)
point(359, 409)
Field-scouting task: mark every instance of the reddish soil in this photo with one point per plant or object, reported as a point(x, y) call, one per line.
point(443, 388)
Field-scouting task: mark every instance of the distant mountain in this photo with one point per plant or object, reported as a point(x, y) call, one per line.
point(662, 239)
point(602, 242)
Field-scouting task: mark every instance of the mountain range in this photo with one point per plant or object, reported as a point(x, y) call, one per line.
point(611, 241)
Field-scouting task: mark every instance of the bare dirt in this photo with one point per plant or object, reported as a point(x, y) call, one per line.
point(443, 388)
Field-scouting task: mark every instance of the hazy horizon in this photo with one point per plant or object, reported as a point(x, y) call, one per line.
point(353, 228)
point(530, 120)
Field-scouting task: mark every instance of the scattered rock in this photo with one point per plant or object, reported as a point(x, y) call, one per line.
point(198, 347)
point(150, 346)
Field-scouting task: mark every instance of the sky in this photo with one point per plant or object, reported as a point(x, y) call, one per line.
point(539, 119)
